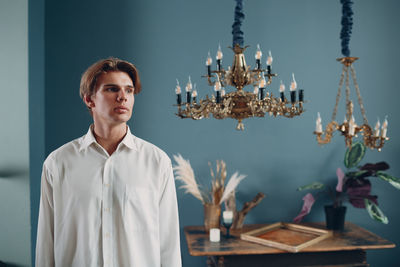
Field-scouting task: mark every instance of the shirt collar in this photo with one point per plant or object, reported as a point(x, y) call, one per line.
point(88, 139)
point(129, 139)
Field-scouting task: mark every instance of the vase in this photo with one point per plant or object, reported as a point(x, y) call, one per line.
point(212, 216)
point(335, 217)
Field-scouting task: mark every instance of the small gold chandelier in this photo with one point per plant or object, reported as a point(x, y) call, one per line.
point(373, 138)
point(239, 104)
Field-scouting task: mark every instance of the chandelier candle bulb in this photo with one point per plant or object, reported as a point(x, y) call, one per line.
point(269, 62)
point(258, 56)
point(189, 91)
point(293, 87)
point(208, 64)
point(262, 86)
point(178, 92)
point(217, 88)
point(282, 91)
point(318, 124)
point(255, 90)
point(194, 95)
point(377, 127)
point(352, 126)
point(384, 128)
point(219, 58)
point(222, 91)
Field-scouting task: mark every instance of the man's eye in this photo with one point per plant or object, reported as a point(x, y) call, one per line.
point(129, 90)
point(112, 89)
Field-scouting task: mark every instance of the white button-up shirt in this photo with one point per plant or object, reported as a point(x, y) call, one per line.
point(111, 211)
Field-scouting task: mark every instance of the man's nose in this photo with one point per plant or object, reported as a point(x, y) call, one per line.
point(121, 95)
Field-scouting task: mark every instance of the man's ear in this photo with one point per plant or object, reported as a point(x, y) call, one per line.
point(88, 101)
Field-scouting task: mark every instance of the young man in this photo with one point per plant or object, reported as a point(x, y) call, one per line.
point(108, 198)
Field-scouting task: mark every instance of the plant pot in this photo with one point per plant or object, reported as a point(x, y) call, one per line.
point(212, 216)
point(335, 217)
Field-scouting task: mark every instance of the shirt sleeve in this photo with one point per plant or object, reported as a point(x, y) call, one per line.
point(169, 222)
point(45, 231)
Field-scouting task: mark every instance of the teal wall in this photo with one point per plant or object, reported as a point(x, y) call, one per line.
point(15, 240)
point(170, 39)
point(36, 108)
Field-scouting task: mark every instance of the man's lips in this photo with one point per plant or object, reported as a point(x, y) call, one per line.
point(121, 109)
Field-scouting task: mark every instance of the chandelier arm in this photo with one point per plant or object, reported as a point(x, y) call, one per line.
point(360, 102)
point(330, 128)
point(338, 94)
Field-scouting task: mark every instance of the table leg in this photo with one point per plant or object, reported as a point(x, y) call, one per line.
point(215, 261)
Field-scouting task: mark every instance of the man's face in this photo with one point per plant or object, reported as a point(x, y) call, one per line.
point(113, 101)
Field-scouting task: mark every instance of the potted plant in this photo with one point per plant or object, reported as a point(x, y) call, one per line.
point(353, 186)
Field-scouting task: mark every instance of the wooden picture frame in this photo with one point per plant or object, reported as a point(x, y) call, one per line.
point(286, 236)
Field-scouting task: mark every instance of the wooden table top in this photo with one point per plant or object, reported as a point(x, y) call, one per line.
point(352, 238)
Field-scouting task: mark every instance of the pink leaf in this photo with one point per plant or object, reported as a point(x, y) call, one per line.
point(340, 176)
point(308, 202)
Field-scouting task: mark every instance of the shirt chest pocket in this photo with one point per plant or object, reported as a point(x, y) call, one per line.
point(141, 209)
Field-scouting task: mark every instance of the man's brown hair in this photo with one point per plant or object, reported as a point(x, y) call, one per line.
point(89, 77)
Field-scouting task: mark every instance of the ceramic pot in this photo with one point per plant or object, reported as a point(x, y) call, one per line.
point(335, 217)
point(212, 216)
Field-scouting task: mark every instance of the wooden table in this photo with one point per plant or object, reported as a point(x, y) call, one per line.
point(347, 248)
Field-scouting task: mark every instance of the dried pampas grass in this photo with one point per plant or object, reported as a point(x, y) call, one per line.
point(218, 193)
point(184, 173)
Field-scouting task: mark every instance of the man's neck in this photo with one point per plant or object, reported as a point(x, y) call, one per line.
point(109, 136)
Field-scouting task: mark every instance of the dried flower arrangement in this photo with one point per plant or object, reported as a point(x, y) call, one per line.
point(218, 193)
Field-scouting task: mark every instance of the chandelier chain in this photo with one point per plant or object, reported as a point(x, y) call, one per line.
point(338, 95)
point(348, 102)
point(360, 102)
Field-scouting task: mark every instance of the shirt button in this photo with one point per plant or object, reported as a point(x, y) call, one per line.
point(107, 185)
point(107, 235)
point(107, 209)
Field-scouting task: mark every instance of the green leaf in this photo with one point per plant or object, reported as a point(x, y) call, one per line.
point(375, 212)
point(388, 178)
point(354, 154)
point(314, 185)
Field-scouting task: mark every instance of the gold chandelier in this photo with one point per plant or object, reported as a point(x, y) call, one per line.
point(349, 129)
point(373, 138)
point(239, 104)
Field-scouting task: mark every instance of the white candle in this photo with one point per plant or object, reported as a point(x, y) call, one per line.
point(377, 126)
point(209, 59)
point(352, 126)
point(269, 58)
point(189, 86)
point(293, 85)
point(217, 86)
point(222, 92)
point(255, 90)
point(214, 234)
point(227, 216)
point(219, 53)
point(262, 82)
point(318, 124)
point(384, 127)
point(282, 87)
point(194, 93)
point(258, 54)
point(177, 88)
